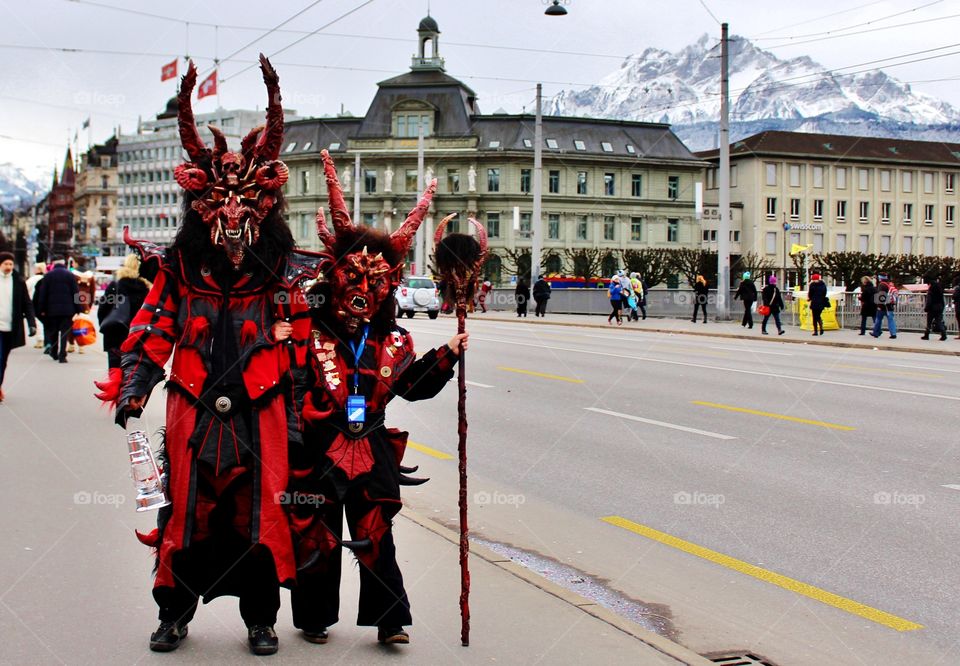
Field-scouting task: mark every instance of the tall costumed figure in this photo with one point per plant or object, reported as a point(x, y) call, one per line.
point(459, 259)
point(225, 304)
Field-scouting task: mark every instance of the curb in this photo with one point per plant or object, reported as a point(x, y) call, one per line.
point(659, 643)
point(734, 336)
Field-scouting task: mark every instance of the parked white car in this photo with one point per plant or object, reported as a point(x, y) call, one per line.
point(417, 294)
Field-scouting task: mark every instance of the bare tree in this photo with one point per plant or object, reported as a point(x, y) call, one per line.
point(585, 262)
point(691, 262)
point(653, 264)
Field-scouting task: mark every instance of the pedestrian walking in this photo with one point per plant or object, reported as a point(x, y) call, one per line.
point(485, 288)
point(886, 304)
point(616, 302)
point(818, 301)
point(934, 304)
point(700, 296)
point(120, 302)
point(746, 292)
point(15, 309)
point(772, 303)
point(32, 283)
point(868, 303)
point(642, 301)
point(956, 302)
point(522, 294)
point(56, 302)
point(541, 294)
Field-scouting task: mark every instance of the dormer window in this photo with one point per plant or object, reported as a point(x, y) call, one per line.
point(290, 147)
point(334, 146)
point(527, 143)
point(579, 145)
point(493, 144)
point(606, 146)
point(307, 145)
point(631, 149)
point(409, 116)
point(552, 144)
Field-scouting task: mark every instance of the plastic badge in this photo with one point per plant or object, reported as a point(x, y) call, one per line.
point(356, 409)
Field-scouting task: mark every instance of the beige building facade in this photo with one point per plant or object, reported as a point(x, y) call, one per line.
point(95, 202)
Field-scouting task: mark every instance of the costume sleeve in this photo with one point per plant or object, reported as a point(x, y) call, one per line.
point(153, 333)
point(107, 301)
point(427, 376)
point(296, 358)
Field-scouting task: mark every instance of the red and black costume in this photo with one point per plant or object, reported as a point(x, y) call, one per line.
point(231, 273)
point(346, 467)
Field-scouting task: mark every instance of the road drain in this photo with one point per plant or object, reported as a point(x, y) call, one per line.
point(653, 617)
point(739, 659)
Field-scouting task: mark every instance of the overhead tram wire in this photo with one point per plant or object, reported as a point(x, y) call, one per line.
point(819, 18)
point(707, 9)
point(851, 27)
point(862, 32)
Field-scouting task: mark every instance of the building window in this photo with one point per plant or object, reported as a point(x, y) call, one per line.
point(863, 175)
point(841, 243)
point(673, 230)
point(370, 219)
point(636, 185)
point(771, 172)
point(908, 244)
point(673, 187)
point(885, 212)
point(527, 143)
point(306, 146)
point(290, 147)
point(453, 180)
point(609, 184)
point(493, 144)
point(553, 182)
point(841, 211)
point(818, 209)
point(794, 175)
point(581, 182)
point(553, 226)
point(907, 180)
point(794, 209)
point(908, 213)
point(305, 225)
point(794, 238)
point(818, 176)
point(864, 211)
point(636, 228)
point(733, 175)
point(410, 180)
point(771, 242)
point(948, 213)
point(525, 181)
point(818, 243)
point(864, 241)
point(841, 173)
point(735, 236)
point(407, 125)
point(885, 180)
point(581, 227)
point(928, 246)
point(771, 208)
point(928, 184)
point(606, 146)
point(948, 183)
point(369, 181)
point(631, 149)
point(104, 182)
point(552, 144)
point(928, 213)
point(493, 180)
point(493, 225)
point(609, 227)
point(525, 225)
point(579, 145)
point(884, 244)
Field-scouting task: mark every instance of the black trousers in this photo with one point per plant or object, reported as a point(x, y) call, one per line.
point(696, 308)
point(383, 600)
point(615, 303)
point(521, 306)
point(541, 310)
point(935, 321)
point(817, 319)
point(747, 314)
point(863, 322)
point(6, 342)
point(56, 330)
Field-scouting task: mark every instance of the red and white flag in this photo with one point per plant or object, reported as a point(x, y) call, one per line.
point(169, 71)
point(208, 87)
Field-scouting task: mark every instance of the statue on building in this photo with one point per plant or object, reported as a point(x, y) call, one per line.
point(347, 178)
point(428, 174)
point(388, 180)
point(472, 179)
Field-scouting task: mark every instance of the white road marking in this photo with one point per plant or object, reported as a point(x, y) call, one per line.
point(477, 384)
point(922, 367)
point(662, 424)
point(758, 373)
point(952, 486)
point(747, 350)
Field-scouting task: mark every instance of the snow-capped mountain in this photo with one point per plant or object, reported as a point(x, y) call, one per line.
point(683, 89)
point(16, 188)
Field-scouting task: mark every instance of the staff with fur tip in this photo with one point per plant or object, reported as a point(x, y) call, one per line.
point(459, 259)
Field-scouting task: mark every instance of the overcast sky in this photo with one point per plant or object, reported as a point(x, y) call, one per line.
point(45, 93)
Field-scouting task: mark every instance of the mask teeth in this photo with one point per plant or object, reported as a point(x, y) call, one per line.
point(218, 233)
point(249, 233)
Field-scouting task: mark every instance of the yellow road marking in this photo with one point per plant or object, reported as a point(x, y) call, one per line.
point(559, 378)
point(430, 452)
point(848, 605)
point(782, 417)
point(885, 371)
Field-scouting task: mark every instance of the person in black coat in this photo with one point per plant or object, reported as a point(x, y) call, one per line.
point(700, 297)
point(15, 308)
point(522, 294)
point(956, 302)
point(819, 301)
point(933, 306)
point(746, 292)
point(118, 305)
point(56, 301)
point(541, 294)
point(868, 303)
point(773, 299)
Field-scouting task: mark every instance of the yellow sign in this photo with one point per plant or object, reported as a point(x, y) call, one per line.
point(797, 249)
point(829, 315)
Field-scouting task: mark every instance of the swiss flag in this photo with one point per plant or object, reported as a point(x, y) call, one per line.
point(208, 87)
point(169, 71)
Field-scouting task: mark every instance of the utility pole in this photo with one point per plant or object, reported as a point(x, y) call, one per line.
point(356, 189)
point(537, 248)
point(418, 253)
point(723, 232)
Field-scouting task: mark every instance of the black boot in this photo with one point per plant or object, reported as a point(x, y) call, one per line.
point(263, 640)
point(392, 636)
point(319, 637)
point(167, 637)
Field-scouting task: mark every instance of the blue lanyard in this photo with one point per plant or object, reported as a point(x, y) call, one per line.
point(357, 350)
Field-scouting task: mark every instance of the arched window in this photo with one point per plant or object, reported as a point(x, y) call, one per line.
point(409, 116)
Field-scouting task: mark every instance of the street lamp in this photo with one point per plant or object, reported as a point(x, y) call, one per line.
point(556, 9)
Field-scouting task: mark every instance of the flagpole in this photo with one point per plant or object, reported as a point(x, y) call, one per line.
point(216, 59)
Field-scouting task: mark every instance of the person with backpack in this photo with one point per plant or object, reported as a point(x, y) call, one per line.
point(819, 301)
point(886, 304)
point(616, 293)
point(772, 304)
point(746, 292)
point(934, 305)
point(638, 297)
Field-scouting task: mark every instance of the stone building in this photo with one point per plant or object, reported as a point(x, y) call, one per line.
point(95, 202)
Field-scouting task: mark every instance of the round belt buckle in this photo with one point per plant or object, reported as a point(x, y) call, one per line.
point(355, 427)
point(223, 404)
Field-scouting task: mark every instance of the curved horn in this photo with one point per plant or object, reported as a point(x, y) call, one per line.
point(312, 559)
point(338, 207)
point(403, 237)
point(219, 142)
point(323, 231)
point(411, 480)
point(189, 136)
point(438, 234)
point(248, 143)
point(268, 147)
point(408, 470)
point(359, 544)
point(481, 236)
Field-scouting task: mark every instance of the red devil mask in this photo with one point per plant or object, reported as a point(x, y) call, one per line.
point(363, 278)
point(235, 191)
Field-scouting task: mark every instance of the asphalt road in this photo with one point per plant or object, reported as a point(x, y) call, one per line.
point(785, 498)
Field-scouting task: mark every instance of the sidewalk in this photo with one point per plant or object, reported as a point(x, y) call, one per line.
point(905, 341)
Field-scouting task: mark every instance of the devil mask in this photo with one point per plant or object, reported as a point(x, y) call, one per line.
point(234, 191)
point(368, 263)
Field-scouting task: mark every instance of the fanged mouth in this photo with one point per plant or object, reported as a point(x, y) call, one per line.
point(233, 235)
point(358, 303)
